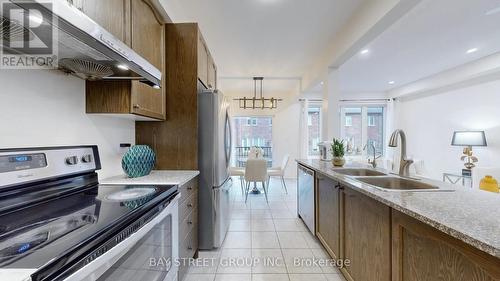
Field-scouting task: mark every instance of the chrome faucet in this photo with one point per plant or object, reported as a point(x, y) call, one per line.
point(375, 157)
point(404, 163)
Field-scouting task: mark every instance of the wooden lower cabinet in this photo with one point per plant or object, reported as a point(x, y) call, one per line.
point(328, 214)
point(365, 238)
point(188, 225)
point(383, 244)
point(423, 253)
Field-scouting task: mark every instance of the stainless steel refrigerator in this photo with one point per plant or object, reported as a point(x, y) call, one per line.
point(214, 152)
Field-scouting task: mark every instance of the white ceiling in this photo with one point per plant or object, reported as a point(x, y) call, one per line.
point(270, 38)
point(431, 38)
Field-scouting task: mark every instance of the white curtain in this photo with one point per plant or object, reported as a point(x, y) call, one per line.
point(303, 125)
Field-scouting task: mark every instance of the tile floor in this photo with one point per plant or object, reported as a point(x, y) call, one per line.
point(265, 242)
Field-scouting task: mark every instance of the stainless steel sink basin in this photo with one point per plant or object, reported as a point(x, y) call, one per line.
point(359, 172)
point(394, 183)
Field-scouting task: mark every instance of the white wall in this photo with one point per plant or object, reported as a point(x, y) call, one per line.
point(430, 121)
point(47, 108)
point(285, 131)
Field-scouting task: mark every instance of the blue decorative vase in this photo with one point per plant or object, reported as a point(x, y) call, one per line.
point(138, 161)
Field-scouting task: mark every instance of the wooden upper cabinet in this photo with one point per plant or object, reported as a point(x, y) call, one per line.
point(365, 238)
point(148, 33)
point(148, 40)
point(113, 15)
point(212, 74)
point(136, 23)
point(203, 58)
point(328, 214)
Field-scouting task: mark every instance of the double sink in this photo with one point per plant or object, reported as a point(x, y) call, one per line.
point(384, 181)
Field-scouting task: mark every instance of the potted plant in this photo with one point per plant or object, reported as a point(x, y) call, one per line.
point(338, 151)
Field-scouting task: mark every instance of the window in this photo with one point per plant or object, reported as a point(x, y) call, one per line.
point(363, 124)
point(371, 121)
point(348, 120)
point(352, 130)
point(313, 128)
point(251, 121)
point(249, 132)
point(375, 130)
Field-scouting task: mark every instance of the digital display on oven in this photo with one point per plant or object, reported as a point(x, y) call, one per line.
point(19, 162)
point(20, 158)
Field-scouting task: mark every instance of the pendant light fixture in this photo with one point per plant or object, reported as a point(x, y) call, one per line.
point(258, 102)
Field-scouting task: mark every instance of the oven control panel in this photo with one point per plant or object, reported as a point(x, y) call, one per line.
point(16, 162)
point(22, 165)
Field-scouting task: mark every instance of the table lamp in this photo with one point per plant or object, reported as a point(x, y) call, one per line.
point(468, 139)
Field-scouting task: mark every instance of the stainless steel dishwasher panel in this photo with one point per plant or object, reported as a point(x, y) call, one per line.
point(305, 194)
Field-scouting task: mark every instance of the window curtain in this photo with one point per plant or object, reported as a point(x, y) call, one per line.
point(303, 133)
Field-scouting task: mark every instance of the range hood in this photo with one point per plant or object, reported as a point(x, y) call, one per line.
point(84, 48)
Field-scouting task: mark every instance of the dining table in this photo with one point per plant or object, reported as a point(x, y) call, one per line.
point(254, 155)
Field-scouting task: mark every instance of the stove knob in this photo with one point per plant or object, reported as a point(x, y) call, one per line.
point(87, 158)
point(72, 160)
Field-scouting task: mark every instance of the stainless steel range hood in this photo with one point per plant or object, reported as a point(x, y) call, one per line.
point(83, 47)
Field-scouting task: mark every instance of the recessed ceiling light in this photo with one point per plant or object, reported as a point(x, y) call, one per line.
point(122, 67)
point(391, 82)
point(364, 52)
point(470, 51)
point(321, 83)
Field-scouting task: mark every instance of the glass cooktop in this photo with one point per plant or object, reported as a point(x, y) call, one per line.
point(44, 232)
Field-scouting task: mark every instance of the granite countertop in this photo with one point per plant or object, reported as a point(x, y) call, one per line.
point(156, 177)
point(470, 215)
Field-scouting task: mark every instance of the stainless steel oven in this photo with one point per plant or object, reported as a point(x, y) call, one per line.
point(60, 224)
point(148, 254)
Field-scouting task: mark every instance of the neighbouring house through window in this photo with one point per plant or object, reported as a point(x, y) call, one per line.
point(251, 121)
point(362, 124)
point(348, 120)
point(251, 131)
point(314, 128)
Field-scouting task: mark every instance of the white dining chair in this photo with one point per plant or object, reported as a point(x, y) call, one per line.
point(238, 172)
point(279, 172)
point(255, 171)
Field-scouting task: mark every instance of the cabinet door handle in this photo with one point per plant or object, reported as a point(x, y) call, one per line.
point(189, 247)
point(136, 106)
point(189, 188)
point(190, 205)
point(189, 222)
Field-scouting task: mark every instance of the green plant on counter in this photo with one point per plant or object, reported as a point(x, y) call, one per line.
point(338, 148)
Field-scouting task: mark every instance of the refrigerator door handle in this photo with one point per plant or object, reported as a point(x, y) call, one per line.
point(223, 187)
point(228, 139)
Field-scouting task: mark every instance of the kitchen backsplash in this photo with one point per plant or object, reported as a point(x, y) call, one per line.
point(47, 108)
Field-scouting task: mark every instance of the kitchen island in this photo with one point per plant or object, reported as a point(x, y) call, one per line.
point(448, 234)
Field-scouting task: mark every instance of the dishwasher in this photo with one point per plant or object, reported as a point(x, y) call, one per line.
point(305, 197)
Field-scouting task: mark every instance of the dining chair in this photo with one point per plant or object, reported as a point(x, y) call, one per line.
point(256, 171)
point(279, 172)
point(238, 172)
